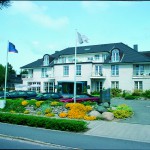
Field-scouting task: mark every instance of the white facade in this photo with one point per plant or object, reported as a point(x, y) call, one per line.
point(94, 74)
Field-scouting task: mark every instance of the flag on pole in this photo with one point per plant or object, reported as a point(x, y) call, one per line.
point(82, 38)
point(11, 48)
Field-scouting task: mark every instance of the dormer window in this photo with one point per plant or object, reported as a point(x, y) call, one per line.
point(46, 60)
point(115, 57)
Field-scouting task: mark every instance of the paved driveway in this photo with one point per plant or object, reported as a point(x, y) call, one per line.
point(141, 110)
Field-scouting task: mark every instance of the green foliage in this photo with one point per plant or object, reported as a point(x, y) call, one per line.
point(44, 122)
point(121, 114)
point(137, 93)
point(2, 74)
point(115, 92)
point(44, 107)
point(95, 93)
point(131, 97)
point(122, 111)
point(146, 94)
point(14, 105)
point(89, 103)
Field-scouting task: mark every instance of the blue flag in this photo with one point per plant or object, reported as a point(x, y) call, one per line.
point(11, 48)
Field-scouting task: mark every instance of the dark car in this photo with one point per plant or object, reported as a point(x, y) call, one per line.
point(46, 96)
point(20, 94)
point(80, 98)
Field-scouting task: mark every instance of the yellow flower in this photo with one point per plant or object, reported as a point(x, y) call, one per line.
point(48, 110)
point(38, 104)
point(24, 103)
point(49, 115)
point(89, 117)
point(54, 103)
point(63, 115)
point(26, 112)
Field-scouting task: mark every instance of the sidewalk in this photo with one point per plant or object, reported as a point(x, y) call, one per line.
point(126, 131)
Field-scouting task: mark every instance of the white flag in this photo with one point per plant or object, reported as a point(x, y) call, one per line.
point(82, 38)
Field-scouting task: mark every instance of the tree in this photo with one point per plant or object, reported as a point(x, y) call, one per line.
point(5, 3)
point(10, 72)
point(2, 74)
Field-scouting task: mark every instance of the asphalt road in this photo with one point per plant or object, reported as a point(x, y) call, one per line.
point(67, 139)
point(10, 143)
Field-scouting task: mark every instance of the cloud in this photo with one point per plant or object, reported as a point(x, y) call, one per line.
point(37, 14)
point(95, 6)
point(102, 6)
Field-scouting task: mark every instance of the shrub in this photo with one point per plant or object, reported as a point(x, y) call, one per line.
point(44, 122)
point(122, 111)
point(89, 103)
point(137, 93)
point(77, 110)
point(24, 103)
point(95, 93)
point(26, 112)
point(56, 103)
point(63, 115)
point(49, 114)
point(48, 110)
point(115, 92)
point(89, 118)
point(120, 114)
point(14, 105)
point(38, 103)
point(146, 93)
point(130, 97)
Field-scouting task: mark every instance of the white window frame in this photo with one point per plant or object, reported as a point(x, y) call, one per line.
point(115, 84)
point(139, 69)
point(78, 70)
point(138, 85)
point(44, 73)
point(115, 55)
point(97, 57)
point(66, 70)
point(115, 70)
point(98, 70)
point(46, 60)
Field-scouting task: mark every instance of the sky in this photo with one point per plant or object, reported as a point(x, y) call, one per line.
point(43, 27)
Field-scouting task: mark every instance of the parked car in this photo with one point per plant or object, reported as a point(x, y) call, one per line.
point(81, 98)
point(46, 96)
point(20, 94)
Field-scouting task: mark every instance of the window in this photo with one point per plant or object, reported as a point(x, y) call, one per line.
point(114, 70)
point(66, 70)
point(97, 57)
point(104, 56)
point(46, 60)
point(90, 58)
point(30, 73)
point(115, 56)
point(44, 72)
point(115, 84)
point(139, 69)
point(34, 86)
point(138, 85)
point(98, 70)
point(78, 70)
point(99, 86)
point(49, 86)
point(62, 60)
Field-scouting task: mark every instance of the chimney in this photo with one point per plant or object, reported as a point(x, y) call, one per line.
point(135, 47)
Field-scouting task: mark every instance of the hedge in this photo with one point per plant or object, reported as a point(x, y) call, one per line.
point(44, 122)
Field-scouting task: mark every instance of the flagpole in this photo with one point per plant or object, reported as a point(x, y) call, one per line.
point(6, 74)
point(75, 64)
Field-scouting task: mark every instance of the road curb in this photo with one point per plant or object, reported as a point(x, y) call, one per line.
point(36, 141)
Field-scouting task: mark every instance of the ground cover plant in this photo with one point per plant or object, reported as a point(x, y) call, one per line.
point(34, 109)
